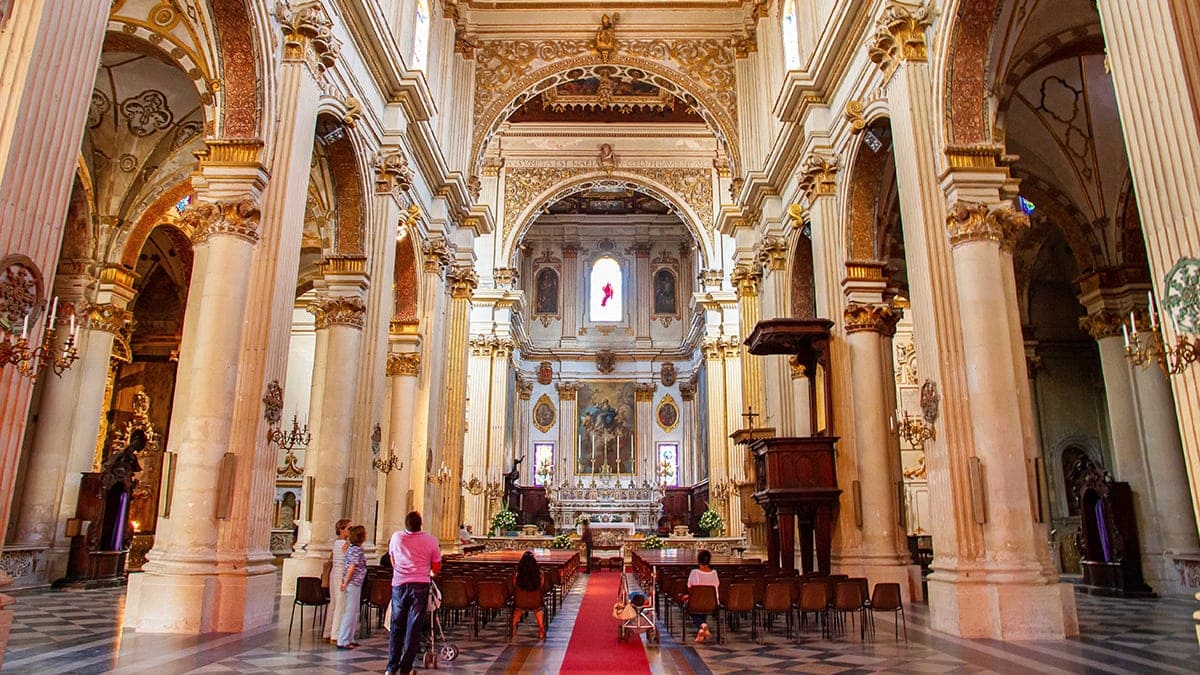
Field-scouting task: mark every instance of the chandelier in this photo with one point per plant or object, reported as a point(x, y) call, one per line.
point(289, 440)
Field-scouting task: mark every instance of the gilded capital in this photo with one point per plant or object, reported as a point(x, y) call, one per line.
point(874, 318)
point(745, 278)
point(405, 363)
point(644, 391)
point(392, 173)
point(899, 36)
point(524, 388)
point(234, 218)
point(687, 390)
point(967, 221)
point(714, 350)
point(437, 256)
point(1102, 324)
point(463, 282)
point(307, 34)
point(567, 391)
point(711, 278)
point(108, 318)
point(853, 115)
point(339, 311)
point(818, 176)
point(772, 253)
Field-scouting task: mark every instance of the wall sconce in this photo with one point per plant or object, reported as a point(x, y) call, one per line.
point(912, 429)
point(298, 436)
point(392, 462)
point(1139, 351)
point(32, 362)
point(442, 476)
point(474, 486)
point(723, 489)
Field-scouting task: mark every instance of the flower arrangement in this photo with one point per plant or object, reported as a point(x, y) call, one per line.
point(561, 541)
point(711, 521)
point(582, 518)
point(652, 542)
point(504, 521)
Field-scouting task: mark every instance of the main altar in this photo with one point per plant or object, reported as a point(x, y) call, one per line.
point(605, 500)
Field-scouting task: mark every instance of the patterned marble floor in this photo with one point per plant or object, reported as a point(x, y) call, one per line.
point(51, 634)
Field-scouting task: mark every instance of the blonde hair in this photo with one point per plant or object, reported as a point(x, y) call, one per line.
point(340, 525)
point(358, 534)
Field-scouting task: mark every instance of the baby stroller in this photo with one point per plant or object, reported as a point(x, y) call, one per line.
point(635, 612)
point(449, 650)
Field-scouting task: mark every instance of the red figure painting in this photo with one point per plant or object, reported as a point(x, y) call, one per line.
point(608, 293)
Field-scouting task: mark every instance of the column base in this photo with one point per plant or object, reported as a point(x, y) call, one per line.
point(1173, 574)
point(299, 567)
point(886, 572)
point(200, 603)
point(999, 610)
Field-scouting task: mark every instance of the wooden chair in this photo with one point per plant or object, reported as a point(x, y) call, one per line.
point(526, 601)
point(814, 597)
point(703, 600)
point(777, 599)
point(886, 598)
point(456, 596)
point(847, 601)
point(377, 595)
point(491, 597)
point(308, 594)
point(739, 600)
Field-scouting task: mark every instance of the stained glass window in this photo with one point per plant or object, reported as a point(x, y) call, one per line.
point(791, 46)
point(182, 204)
point(605, 289)
point(668, 463)
point(421, 36)
point(543, 463)
point(1026, 205)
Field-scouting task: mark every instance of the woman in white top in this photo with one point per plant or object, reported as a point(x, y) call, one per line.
point(702, 576)
point(335, 578)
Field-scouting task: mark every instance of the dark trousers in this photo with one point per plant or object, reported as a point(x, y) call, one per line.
point(409, 617)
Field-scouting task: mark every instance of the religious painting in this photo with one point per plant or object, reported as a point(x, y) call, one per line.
point(547, 291)
point(665, 300)
point(606, 428)
point(667, 413)
point(545, 372)
point(667, 374)
point(544, 414)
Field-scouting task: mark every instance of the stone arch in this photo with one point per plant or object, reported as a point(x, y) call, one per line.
point(528, 213)
point(1083, 39)
point(1086, 444)
point(717, 112)
point(868, 169)
point(965, 94)
point(240, 72)
point(803, 290)
point(164, 211)
point(346, 168)
point(405, 281)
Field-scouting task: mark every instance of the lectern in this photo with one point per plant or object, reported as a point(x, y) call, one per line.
point(797, 476)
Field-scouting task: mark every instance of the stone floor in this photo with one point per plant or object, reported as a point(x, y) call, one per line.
point(77, 632)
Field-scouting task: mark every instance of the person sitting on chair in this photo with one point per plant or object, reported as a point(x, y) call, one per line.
point(705, 575)
point(529, 580)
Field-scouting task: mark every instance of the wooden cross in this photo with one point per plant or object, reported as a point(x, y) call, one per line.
point(750, 415)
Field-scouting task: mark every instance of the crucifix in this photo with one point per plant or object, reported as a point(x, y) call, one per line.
point(750, 415)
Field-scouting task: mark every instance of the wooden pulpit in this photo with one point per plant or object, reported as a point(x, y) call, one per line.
point(796, 477)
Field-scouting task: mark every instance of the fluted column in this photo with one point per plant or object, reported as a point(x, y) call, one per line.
point(568, 419)
point(182, 570)
point(1152, 51)
point(689, 472)
point(475, 450)
point(497, 459)
point(403, 367)
point(717, 431)
point(572, 304)
point(643, 397)
point(779, 408)
point(746, 278)
point(463, 282)
point(430, 383)
point(524, 422)
point(644, 293)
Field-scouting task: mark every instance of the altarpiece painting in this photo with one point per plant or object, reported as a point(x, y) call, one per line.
point(606, 428)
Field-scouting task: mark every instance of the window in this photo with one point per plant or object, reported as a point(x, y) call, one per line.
point(182, 204)
point(421, 36)
point(605, 303)
point(543, 463)
point(1026, 205)
point(791, 46)
point(668, 464)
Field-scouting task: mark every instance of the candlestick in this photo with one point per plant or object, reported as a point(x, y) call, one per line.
point(1153, 311)
point(1125, 332)
point(72, 324)
point(54, 311)
point(25, 328)
point(1133, 323)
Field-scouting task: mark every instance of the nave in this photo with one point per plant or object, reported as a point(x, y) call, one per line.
point(1116, 636)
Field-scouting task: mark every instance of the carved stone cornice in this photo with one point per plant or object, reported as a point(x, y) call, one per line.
point(392, 173)
point(874, 318)
point(771, 253)
point(899, 36)
point(1102, 324)
point(854, 116)
point(644, 391)
point(307, 34)
point(404, 363)
point(463, 281)
point(567, 391)
point(238, 218)
point(344, 264)
point(437, 256)
point(339, 311)
point(745, 278)
point(970, 221)
point(524, 388)
point(818, 176)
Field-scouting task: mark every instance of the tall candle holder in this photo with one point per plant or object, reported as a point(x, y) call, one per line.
point(31, 361)
point(912, 429)
point(1142, 348)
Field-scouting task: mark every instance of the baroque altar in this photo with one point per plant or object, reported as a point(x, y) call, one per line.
point(605, 500)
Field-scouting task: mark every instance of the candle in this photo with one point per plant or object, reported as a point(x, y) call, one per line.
point(1133, 323)
point(25, 328)
point(1153, 311)
point(1125, 332)
point(73, 326)
point(54, 311)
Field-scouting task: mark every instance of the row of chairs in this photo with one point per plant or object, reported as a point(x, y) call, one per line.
point(486, 597)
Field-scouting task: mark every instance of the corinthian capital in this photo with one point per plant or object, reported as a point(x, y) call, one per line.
point(1102, 324)
point(745, 278)
point(899, 35)
point(771, 253)
point(392, 173)
point(108, 318)
point(405, 363)
point(567, 391)
point(307, 34)
point(463, 282)
point(340, 311)
point(644, 391)
point(874, 318)
point(436, 254)
point(234, 218)
point(818, 176)
point(967, 221)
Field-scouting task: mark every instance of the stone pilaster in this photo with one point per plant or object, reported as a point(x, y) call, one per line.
point(431, 383)
point(572, 302)
point(463, 281)
point(475, 448)
point(643, 396)
point(568, 412)
point(403, 368)
point(689, 473)
point(524, 447)
point(779, 405)
point(643, 293)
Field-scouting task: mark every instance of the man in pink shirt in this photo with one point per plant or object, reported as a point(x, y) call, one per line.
point(415, 555)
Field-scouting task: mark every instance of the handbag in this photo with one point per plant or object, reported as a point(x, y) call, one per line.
point(623, 611)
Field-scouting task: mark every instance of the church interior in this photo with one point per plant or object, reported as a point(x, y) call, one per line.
point(905, 291)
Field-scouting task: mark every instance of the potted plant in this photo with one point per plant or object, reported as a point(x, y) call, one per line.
point(652, 542)
point(505, 521)
point(561, 541)
point(710, 521)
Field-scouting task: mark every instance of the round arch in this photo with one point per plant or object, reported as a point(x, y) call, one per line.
point(349, 185)
point(599, 178)
point(710, 107)
point(406, 303)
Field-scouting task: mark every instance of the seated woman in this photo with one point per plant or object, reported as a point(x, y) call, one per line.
point(702, 576)
point(528, 583)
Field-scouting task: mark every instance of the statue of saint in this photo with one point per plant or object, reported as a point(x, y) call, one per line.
point(606, 38)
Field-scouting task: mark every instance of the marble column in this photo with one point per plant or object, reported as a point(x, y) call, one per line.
point(403, 367)
point(643, 396)
point(568, 413)
point(990, 573)
point(182, 570)
point(779, 406)
point(430, 383)
point(64, 441)
point(475, 470)
point(49, 51)
point(880, 556)
point(463, 281)
point(1151, 49)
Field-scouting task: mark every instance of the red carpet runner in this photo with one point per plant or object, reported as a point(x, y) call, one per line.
point(594, 647)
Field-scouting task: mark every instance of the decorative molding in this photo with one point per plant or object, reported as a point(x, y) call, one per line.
point(339, 311)
point(771, 253)
point(404, 363)
point(906, 363)
point(606, 361)
point(818, 176)
point(109, 318)
point(463, 281)
point(605, 41)
point(354, 112)
point(392, 173)
point(666, 414)
point(1181, 295)
point(929, 401)
point(687, 391)
point(544, 413)
point(20, 293)
point(796, 368)
point(880, 319)
point(899, 36)
point(972, 221)
point(505, 277)
point(853, 115)
point(1102, 324)
point(437, 256)
point(711, 279)
point(567, 391)
point(644, 391)
point(524, 388)
point(307, 34)
point(238, 218)
point(273, 403)
point(745, 278)
point(667, 374)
